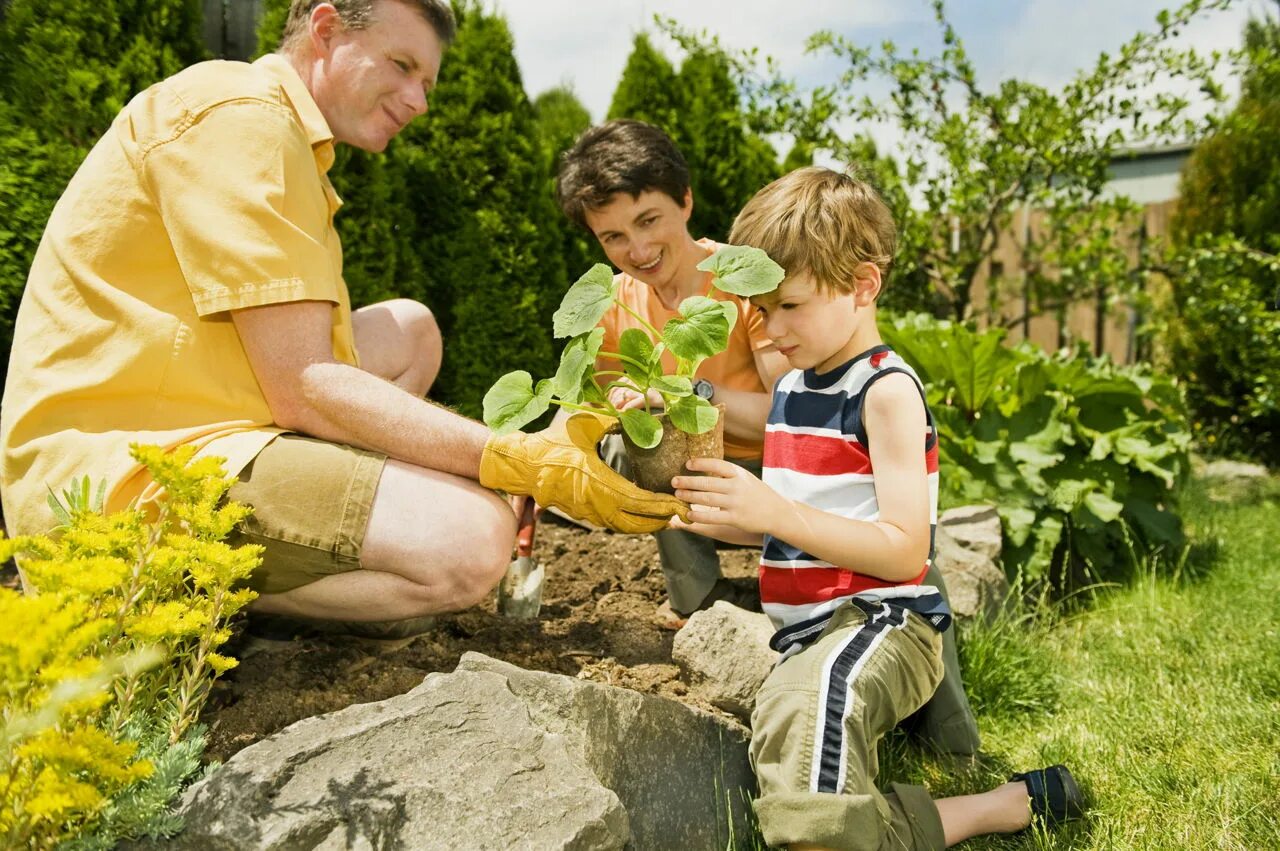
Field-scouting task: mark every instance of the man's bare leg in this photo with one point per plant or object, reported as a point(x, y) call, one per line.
point(435, 543)
point(400, 341)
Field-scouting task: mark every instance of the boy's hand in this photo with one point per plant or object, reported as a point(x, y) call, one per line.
point(729, 496)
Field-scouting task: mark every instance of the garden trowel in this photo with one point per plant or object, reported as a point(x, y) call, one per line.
point(520, 592)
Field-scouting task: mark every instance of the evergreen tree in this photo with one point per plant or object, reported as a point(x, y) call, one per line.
point(560, 118)
point(483, 221)
point(69, 66)
point(647, 90)
point(1226, 274)
point(728, 163)
point(1231, 184)
point(700, 108)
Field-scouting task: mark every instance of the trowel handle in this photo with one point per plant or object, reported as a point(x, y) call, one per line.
point(527, 510)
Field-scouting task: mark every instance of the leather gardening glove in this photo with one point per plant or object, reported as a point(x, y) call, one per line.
point(559, 467)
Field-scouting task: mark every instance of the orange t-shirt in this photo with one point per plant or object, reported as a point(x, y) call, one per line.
point(734, 368)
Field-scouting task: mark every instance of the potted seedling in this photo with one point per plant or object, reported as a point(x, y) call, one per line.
point(688, 426)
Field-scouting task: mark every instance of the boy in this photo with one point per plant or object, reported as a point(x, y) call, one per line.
point(845, 514)
point(628, 184)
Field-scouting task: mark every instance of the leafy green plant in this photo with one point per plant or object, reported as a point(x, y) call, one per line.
point(1083, 459)
point(104, 671)
point(699, 331)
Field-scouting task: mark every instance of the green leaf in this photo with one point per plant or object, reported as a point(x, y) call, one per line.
point(1019, 520)
point(513, 402)
point(59, 511)
point(1102, 506)
point(642, 427)
point(636, 345)
point(701, 330)
point(694, 415)
point(743, 270)
point(672, 385)
point(576, 365)
point(586, 302)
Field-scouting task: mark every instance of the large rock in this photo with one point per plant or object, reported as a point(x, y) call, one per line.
point(967, 550)
point(682, 775)
point(724, 655)
point(489, 756)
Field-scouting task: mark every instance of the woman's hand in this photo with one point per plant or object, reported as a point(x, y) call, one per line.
point(626, 398)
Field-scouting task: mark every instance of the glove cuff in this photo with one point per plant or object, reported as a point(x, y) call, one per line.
point(500, 470)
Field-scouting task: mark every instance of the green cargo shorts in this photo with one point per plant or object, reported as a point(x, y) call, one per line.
point(818, 719)
point(311, 503)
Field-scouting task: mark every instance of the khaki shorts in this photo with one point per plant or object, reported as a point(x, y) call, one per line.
point(311, 504)
point(818, 719)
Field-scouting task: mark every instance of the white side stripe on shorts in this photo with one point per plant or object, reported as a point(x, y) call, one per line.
point(835, 695)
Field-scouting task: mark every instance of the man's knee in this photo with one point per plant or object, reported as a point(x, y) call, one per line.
point(422, 328)
point(454, 545)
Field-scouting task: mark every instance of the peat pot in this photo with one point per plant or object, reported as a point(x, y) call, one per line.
point(653, 469)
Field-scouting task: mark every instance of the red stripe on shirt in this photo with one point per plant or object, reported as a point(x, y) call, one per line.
point(794, 586)
point(931, 459)
point(815, 454)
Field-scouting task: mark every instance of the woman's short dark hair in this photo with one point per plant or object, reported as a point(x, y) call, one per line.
point(619, 156)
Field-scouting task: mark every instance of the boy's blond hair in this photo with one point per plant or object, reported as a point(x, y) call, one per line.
point(820, 222)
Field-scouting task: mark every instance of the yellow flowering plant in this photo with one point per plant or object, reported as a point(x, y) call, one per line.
point(105, 666)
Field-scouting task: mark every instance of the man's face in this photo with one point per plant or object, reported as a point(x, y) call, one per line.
point(370, 83)
point(646, 236)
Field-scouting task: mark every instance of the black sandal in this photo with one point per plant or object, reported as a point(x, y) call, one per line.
point(1055, 797)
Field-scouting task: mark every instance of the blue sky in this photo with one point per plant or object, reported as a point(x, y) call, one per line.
point(585, 44)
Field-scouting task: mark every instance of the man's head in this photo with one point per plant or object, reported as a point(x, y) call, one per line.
point(369, 64)
point(835, 237)
point(815, 221)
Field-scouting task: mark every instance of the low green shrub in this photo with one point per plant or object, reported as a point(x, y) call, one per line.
point(1221, 341)
point(104, 670)
point(1083, 459)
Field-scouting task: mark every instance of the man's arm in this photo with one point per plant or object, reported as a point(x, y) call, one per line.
point(289, 349)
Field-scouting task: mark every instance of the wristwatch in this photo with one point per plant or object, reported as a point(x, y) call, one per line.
point(704, 389)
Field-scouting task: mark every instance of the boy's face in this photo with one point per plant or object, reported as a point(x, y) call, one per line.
point(816, 328)
point(376, 80)
point(647, 236)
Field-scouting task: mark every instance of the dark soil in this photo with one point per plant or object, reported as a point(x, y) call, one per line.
point(598, 622)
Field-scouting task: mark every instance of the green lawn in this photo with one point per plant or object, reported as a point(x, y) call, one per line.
point(1163, 696)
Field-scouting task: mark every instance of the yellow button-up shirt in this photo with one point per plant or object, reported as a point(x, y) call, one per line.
point(209, 193)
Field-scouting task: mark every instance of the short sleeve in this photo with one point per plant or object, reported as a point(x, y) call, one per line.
point(245, 208)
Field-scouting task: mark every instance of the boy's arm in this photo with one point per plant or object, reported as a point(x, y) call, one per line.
point(892, 548)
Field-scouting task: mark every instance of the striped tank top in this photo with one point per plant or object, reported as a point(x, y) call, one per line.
point(816, 451)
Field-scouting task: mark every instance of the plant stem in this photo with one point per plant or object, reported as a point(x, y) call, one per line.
point(653, 332)
point(620, 357)
point(610, 410)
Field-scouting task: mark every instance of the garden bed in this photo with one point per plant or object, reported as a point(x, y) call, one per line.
point(598, 621)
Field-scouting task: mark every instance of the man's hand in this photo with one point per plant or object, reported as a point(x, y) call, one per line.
point(729, 496)
point(559, 467)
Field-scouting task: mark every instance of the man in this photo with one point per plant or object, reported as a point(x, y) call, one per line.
point(188, 290)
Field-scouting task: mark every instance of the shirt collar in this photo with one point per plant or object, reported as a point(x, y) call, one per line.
point(318, 132)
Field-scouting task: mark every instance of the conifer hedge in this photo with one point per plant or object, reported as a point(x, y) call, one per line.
point(67, 68)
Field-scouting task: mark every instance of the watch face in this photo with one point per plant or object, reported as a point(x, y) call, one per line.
point(703, 389)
